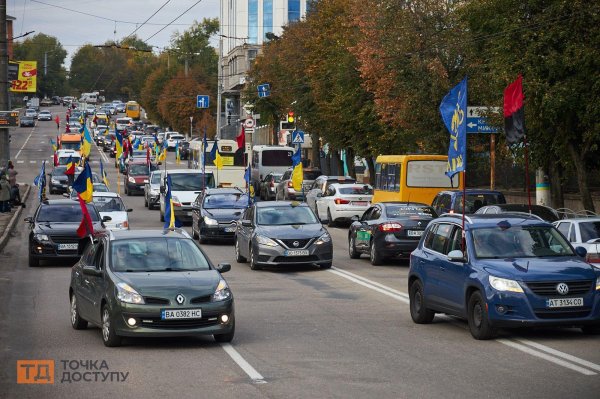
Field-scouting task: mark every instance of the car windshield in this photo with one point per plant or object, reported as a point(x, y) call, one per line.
point(64, 160)
point(138, 170)
point(109, 204)
point(284, 215)
point(216, 201)
point(155, 178)
point(190, 181)
point(65, 213)
point(157, 254)
point(395, 211)
point(359, 190)
point(59, 170)
point(476, 201)
point(277, 178)
point(138, 154)
point(589, 230)
point(513, 241)
point(70, 146)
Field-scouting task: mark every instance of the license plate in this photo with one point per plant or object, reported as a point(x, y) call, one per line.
point(181, 314)
point(564, 302)
point(189, 213)
point(297, 252)
point(65, 247)
point(414, 233)
point(229, 229)
point(360, 203)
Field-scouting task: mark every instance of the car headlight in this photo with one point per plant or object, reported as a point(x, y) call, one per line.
point(127, 294)
point(503, 284)
point(175, 201)
point(54, 181)
point(154, 191)
point(323, 239)
point(222, 292)
point(41, 237)
point(122, 225)
point(598, 284)
point(131, 180)
point(210, 222)
point(266, 241)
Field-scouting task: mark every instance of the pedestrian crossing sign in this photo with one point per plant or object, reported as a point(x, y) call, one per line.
point(298, 137)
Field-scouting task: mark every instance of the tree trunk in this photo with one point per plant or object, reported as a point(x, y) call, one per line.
point(371, 166)
point(340, 164)
point(316, 150)
point(584, 190)
point(556, 189)
point(350, 161)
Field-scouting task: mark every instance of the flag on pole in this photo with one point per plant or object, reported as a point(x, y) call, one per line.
point(70, 166)
point(170, 219)
point(40, 181)
point(514, 115)
point(86, 227)
point(453, 109)
point(118, 143)
point(103, 174)
point(297, 173)
point(54, 147)
point(86, 144)
point(83, 184)
point(177, 155)
point(250, 187)
point(215, 156)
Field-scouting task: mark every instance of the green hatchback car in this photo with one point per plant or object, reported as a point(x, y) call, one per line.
point(150, 283)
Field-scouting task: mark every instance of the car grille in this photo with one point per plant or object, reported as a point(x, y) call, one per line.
point(548, 288)
point(296, 259)
point(65, 239)
point(155, 301)
point(156, 322)
point(302, 243)
point(201, 299)
point(563, 313)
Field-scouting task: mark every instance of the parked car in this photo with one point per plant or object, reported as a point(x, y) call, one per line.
point(44, 115)
point(282, 233)
point(53, 231)
point(27, 121)
point(583, 232)
point(152, 190)
point(150, 283)
point(389, 229)
point(268, 186)
point(111, 204)
point(514, 271)
point(342, 202)
point(285, 188)
point(450, 201)
point(215, 213)
point(321, 184)
point(546, 213)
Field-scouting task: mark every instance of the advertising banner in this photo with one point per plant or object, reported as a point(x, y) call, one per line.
point(26, 80)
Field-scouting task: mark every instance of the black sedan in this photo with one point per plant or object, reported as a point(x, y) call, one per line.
point(282, 233)
point(53, 231)
point(57, 180)
point(27, 121)
point(150, 283)
point(184, 150)
point(389, 229)
point(215, 213)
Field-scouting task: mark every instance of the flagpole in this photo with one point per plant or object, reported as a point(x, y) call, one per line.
point(527, 171)
point(464, 197)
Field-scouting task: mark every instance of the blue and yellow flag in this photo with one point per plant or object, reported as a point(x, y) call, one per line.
point(40, 181)
point(54, 146)
point(170, 219)
point(454, 114)
point(86, 144)
point(83, 184)
point(103, 175)
point(177, 155)
point(215, 156)
point(297, 173)
point(118, 143)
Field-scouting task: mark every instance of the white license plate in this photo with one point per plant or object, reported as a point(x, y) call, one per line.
point(229, 229)
point(297, 252)
point(564, 302)
point(360, 203)
point(189, 213)
point(181, 314)
point(65, 247)
point(414, 233)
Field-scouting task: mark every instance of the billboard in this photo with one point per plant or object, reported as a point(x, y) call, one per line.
point(26, 79)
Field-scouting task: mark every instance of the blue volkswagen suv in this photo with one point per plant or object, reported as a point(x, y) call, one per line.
point(517, 270)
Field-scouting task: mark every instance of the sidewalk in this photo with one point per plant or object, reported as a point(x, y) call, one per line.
point(10, 219)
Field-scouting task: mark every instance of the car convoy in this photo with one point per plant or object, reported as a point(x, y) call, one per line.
point(500, 265)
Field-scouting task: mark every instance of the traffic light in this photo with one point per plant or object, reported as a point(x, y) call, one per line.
point(290, 117)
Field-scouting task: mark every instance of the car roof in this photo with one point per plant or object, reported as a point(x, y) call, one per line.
point(402, 203)
point(487, 220)
point(582, 219)
point(281, 204)
point(187, 171)
point(471, 191)
point(105, 194)
point(354, 184)
point(214, 191)
point(58, 202)
point(129, 234)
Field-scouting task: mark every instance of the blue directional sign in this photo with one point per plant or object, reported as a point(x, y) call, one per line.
point(297, 137)
point(476, 123)
point(202, 101)
point(264, 90)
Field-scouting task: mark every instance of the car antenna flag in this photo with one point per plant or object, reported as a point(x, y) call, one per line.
point(86, 227)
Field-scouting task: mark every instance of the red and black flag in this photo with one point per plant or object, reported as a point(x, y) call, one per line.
point(514, 117)
point(241, 150)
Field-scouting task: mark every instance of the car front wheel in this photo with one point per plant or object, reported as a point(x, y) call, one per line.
point(253, 264)
point(479, 323)
point(238, 256)
point(418, 312)
point(109, 337)
point(354, 254)
point(375, 256)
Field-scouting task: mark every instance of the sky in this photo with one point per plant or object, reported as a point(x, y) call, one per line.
point(74, 30)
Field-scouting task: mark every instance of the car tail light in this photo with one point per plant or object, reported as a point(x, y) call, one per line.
point(341, 201)
point(390, 227)
point(592, 258)
point(290, 184)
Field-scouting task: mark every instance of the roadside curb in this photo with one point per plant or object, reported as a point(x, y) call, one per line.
point(13, 221)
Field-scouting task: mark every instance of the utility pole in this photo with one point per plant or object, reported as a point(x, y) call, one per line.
point(4, 132)
point(219, 85)
point(45, 63)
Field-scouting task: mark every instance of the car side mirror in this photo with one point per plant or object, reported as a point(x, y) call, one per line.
point(223, 267)
point(129, 210)
point(246, 223)
point(456, 256)
point(354, 218)
point(91, 271)
point(28, 219)
point(106, 219)
point(66, 195)
point(581, 251)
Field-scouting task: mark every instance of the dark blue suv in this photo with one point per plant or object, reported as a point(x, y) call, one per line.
point(516, 271)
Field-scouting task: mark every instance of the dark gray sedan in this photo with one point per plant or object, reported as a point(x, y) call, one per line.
point(282, 233)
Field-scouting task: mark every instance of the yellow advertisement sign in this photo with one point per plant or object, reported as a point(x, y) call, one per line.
point(227, 161)
point(26, 81)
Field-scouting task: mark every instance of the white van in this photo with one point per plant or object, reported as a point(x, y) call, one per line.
point(267, 159)
point(123, 123)
point(186, 184)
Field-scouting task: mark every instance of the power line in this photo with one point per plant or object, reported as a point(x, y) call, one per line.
point(179, 16)
point(143, 23)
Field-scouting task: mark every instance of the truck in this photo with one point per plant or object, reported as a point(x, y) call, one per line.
point(34, 103)
point(90, 98)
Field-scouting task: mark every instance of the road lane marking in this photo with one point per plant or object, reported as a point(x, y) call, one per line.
point(25, 143)
point(254, 375)
point(20, 161)
point(385, 291)
point(375, 283)
point(563, 355)
point(545, 356)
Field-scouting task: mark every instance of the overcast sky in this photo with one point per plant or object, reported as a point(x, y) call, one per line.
point(74, 29)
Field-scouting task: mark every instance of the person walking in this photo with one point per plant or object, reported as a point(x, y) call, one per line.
point(4, 193)
point(15, 196)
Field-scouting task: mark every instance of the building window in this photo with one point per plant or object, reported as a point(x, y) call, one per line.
point(253, 21)
point(293, 10)
point(267, 17)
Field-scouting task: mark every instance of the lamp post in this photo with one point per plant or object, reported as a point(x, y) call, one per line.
point(191, 127)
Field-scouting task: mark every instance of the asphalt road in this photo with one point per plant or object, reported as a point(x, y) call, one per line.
point(300, 333)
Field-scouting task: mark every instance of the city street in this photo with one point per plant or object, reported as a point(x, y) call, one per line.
point(300, 332)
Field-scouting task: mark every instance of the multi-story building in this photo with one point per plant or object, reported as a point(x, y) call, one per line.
point(245, 25)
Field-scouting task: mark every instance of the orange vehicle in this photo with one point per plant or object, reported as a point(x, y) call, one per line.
point(70, 141)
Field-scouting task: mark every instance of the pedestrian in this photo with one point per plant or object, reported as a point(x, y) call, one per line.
point(4, 193)
point(15, 197)
point(57, 123)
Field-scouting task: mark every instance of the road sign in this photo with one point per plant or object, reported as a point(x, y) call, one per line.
point(297, 137)
point(264, 90)
point(9, 118)
point(249, 123)
point(202, 101)
point(477, 122)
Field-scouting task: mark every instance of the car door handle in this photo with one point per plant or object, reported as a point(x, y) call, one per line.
point(86, 281)
point(442, 268)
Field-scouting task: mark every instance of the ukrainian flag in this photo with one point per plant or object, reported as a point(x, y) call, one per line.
point(103, 174)
point(86, 145)
point(170, 219)
point(118, 143)
point(83, 184)
point(297, 173)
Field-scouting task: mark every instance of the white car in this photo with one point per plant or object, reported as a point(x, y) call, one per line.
point(341, 202)
point(44, 116)
point(173, 138)
point(31, 112)
point(124, 123)
point(583, 232)
point(110, 204)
